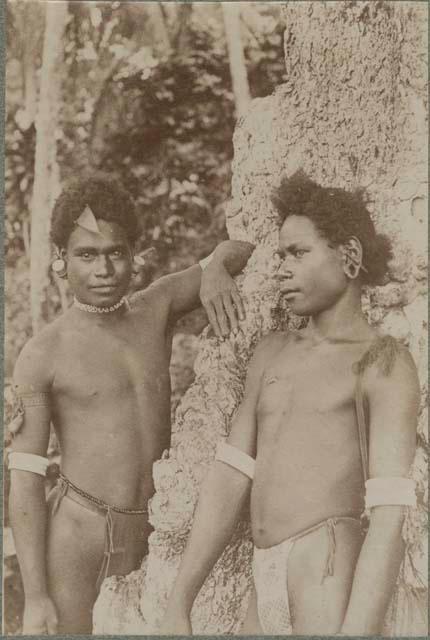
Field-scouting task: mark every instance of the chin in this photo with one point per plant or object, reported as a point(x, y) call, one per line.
point(299, 310)
point(102, 299)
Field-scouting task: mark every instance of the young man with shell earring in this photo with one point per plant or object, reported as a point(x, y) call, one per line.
point(100, 375)
point(327, 427)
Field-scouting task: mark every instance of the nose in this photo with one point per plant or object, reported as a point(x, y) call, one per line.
point(104, 267)
point(284, 272)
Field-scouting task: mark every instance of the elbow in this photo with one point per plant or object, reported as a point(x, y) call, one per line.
point(228, 485)
point(26, 487)
point(240, 248)
point(248, 249)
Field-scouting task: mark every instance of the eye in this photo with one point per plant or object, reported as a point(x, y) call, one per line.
point(86, 255)
point(299, 253)
point(118, 253)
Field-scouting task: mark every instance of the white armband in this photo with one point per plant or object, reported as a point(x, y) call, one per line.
point(28, 462)
point(205, 261)
point(390, 491)
point(236, 459)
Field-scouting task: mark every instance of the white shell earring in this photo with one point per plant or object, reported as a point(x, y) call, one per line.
point(59, 267)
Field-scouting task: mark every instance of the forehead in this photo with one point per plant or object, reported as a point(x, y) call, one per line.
point(298, 229)
point(111, 233)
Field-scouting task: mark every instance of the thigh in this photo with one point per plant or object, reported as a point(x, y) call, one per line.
point(251, 625)
point(317, 603)
point(74, 557)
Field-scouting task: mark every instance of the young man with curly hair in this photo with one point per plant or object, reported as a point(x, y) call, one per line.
point(100, 374)
point(327, 427)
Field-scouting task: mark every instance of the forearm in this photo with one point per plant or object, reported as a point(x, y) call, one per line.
point(376, 573)
point(233, 254)
point(221, 501)
point(28, 515)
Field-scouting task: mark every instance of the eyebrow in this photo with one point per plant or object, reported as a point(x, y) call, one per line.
point(293, 245)
point(92, 249)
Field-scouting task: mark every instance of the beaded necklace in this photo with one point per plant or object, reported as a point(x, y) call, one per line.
point(90, 308)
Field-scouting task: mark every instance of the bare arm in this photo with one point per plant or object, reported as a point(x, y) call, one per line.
point(213, 287)
point(393, 403)
point(27, 502)
point(221, 501)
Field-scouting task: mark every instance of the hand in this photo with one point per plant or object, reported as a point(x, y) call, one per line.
point(221, 300)
point(175, 623)
point(40, 616)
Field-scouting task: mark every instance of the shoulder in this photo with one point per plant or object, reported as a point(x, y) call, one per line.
point(268, 346)
point(156, 294)
point(389, 372)
point(35, 363)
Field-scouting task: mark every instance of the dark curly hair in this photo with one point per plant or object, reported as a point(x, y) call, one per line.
point(338, 215)
point(107, 199)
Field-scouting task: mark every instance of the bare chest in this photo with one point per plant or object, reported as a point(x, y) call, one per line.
point(110, 364)
point(312, 390)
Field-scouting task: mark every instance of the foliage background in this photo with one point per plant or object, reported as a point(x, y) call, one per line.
point(147, 95)
point(161, 119)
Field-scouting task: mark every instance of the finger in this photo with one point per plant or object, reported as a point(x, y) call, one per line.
point(239, 304)
point(231, 312)
point(221, 316)
point(213, 319)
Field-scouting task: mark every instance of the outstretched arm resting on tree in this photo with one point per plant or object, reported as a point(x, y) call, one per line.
point(222, 498)
point(393, 403)
point(27, 503)
point(212, 287)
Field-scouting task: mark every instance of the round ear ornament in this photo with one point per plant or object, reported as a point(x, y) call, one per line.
point(59, 267)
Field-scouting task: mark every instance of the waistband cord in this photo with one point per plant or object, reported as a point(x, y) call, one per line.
point(329, 566)
point(109, 549)
point(63, 486)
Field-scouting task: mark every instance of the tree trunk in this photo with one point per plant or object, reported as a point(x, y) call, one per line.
point(31, 29)
point(239, 78)
point(46, 172)
point(353, 112)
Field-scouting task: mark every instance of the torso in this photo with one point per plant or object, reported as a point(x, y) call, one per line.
point(111, 401)
point(308, 465)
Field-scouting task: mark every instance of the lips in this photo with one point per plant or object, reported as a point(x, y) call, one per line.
point(289, 291)
point(104, 288)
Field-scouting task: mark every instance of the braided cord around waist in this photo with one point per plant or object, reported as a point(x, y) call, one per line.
point(100, 503)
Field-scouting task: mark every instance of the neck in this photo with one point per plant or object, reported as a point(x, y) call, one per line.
point(114, 309)
point(342, 322)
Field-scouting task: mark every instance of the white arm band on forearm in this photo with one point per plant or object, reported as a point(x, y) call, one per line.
point(28, 462)
point(236, 459)
point(390, 491)
point(205, 261)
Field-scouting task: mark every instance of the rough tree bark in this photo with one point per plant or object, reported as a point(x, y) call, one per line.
point(353, 112)
point(46, 172)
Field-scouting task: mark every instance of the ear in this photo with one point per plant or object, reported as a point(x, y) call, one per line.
point(59, 266)
point(60, 252)
point(352, 253)
point(355, 249)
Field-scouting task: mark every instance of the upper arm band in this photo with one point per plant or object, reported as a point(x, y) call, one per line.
point(26, 396)
point(28, 462)
point(205, 261)
point(390, 491)
point(236, 459)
